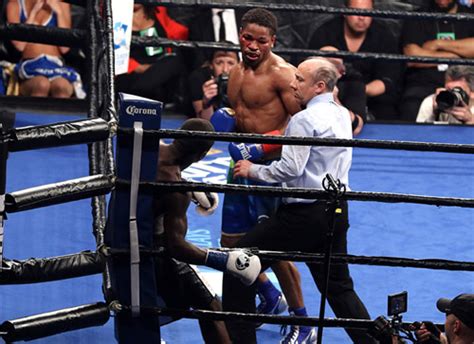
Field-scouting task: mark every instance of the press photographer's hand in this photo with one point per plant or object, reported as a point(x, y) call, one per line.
point(428, 333)
point(209, 90)
point(438, 90)
point(462, 113)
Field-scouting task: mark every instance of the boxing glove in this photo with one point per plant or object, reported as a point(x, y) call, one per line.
point(223, 120)
point(253, 151)
point(206, 202)
point(239, 263)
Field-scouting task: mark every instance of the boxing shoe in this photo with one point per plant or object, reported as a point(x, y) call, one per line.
point(239, 263)
point(299, 335)
point(223, 120)
point(274, 306)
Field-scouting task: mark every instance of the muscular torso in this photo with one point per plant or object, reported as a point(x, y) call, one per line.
point(256, 96)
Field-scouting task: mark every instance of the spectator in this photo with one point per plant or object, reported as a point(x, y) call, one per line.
point(459, 323)
point(350, 92)
point(205, 93)
point(456, 76)
point(42, 71)
point(154, 72)
point(212, 25)
point(362, 34)
point(441, 38)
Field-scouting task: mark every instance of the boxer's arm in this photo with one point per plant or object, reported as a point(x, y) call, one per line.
point(292, 162)
point(287, 95)
point(175, 225)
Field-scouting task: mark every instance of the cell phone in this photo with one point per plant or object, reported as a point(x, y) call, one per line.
point(397, 303)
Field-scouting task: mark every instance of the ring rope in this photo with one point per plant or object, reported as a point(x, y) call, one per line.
point(434, 264)
point(317, 258)
point(50, 323)
point(265, 318)
point(38, 270)
point(43, 105)
point(57, 193)
point(44, 34)
point(156, 41)
point(302, 141)
point(58, 134)
point(313, 8)
point(156, 187)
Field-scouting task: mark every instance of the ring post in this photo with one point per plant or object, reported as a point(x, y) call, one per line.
point(130, 223)
point(3, 181)
point(335, 190)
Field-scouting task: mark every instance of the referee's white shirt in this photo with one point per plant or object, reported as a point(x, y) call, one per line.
point(307, 166)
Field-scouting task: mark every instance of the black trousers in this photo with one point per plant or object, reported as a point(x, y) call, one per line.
point(298, 227)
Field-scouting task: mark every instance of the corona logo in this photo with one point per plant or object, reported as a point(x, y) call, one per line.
point(132, 110)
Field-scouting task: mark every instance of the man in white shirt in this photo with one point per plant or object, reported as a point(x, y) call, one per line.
point(461, 77)
point(302, 224)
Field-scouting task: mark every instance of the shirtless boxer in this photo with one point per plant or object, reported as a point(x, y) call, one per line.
point(260, 94)
point(184, 287)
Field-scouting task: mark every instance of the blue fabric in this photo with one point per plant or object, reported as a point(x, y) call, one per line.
point(2, 82)
point(51, 22)
point(47, 66)
point(242, 212)
point(217, 260)
point(268, 290)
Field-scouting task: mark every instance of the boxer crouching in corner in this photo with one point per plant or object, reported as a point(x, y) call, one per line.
point(185, 284)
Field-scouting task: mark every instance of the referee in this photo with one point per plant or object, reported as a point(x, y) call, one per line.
point(301, 224)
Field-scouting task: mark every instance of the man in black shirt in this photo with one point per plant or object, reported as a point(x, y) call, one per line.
point(362, 34)
point(450, 39)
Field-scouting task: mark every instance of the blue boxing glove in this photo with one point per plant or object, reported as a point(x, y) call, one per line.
point(223, 120)
point(246, 151)
point(254, 151)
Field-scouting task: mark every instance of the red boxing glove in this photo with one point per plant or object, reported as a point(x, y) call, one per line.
point(271, 147)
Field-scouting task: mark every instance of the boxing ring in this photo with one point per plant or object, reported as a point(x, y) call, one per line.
point(407, 231)
point(380, 229)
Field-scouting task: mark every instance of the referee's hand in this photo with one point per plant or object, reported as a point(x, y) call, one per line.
point(242, 168)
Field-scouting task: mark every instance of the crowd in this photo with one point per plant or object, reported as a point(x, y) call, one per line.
point(372, 89)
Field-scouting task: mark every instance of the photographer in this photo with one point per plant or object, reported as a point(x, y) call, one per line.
point(453, 104)
point(208, 84)
point(459, 324)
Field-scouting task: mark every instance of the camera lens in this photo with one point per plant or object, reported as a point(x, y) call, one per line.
point(449, 98)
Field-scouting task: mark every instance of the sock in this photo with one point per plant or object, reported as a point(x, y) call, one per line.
point(299, 311)
point(217, 260)
point(267, 290)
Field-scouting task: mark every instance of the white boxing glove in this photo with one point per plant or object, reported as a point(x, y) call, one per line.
point(239, 263)
point(243, 265)
point(206, 202)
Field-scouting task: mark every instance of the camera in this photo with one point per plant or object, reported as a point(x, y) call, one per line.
point(397, 304)
point(385, 330)
point(221, 99)
point(449, 98)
